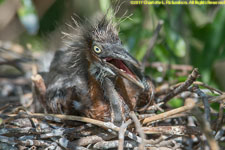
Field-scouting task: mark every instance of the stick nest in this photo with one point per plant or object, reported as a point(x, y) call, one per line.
point(192, 126)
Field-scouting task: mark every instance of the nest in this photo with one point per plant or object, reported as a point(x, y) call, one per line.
point(193, 126)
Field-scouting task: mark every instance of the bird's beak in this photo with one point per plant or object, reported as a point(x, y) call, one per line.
point(122, 63)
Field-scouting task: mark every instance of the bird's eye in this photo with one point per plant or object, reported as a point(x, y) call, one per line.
point(97, 49)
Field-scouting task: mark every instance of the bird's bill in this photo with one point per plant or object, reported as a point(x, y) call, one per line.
point(126, 76)
point(122, 63)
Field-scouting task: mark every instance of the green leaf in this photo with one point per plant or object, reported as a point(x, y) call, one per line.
point(215, 106)
point(176, 102)
point(200, 18)
point(28, 16)
point(104, 5)
point(161, 53)
point(181, 79)
point(141, 52)
point(180, 48)
point(215, 40)
point(1, 1)
point(176, 43)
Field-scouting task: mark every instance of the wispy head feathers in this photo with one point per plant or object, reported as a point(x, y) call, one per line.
point(83, 33)
point(100, 29)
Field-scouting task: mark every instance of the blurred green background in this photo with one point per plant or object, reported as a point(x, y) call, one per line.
point(191, 35)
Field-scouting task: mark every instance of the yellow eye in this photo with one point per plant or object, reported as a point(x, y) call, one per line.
point(97, 49)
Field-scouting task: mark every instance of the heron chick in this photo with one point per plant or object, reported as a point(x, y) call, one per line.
point(95, 76)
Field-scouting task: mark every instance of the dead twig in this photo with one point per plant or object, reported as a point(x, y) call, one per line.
point(204, 98)
point(162, 66)
point(155, 107)
point(123, 128)
point(191, 78)
point(39, 88)
point(208, 87)
point(60, 117)
point(185, 108)
point(138, 129)
point(88, 140)
point(221, 116)
point(167, 114)
point(172, 130)
point(206, 129)
point(152, 42)
point(114, 144)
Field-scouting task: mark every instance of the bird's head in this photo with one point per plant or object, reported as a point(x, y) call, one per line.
point(105, 53)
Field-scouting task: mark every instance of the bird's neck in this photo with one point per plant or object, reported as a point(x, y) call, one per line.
point(77, 61)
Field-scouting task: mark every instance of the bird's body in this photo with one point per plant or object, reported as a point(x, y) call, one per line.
point(95, 76)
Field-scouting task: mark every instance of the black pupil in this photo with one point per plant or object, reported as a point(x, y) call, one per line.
point(97, 49)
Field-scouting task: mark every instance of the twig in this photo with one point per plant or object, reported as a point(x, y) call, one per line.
point(205, 126)
point(88, 140)
point(114, 144)
point(16, 81)
point(10, 100)
point(220, 118)
point(138, 129)
point(53, 133)
point(219, 134)
point(162, 89)
point(40, 88)
point(173, 130)
point(30, 142)
point(155, 107)
point(172, 66)
point(191, 78)
point(4, 107)
point(156, 148)
point(65, 143)
point(123, 128)
point(9, 140)
point(26, 142)
point(167, 114)
point(156, 141)
point(143, 116)
point(152, 42)
point(12, 131)
point(204, 98)
point(60, 117)
point(158, 107)
point(208, 87)
point(185, 108)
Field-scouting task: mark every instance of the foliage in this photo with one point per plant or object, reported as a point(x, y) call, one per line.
point(1, 1)
point(28, 16)
point(190, 35)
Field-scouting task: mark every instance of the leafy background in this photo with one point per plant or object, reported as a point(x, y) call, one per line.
point(192, 35)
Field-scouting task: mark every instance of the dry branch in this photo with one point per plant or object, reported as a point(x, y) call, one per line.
point(152, 42)
point(191, 78)
point(205, 126)
point(165, 131)
point(172, 130)
point(139, 130)
point(123, 128)
point(185, 108)
point(60, 118)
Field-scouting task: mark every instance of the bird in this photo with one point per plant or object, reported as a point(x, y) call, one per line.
point(95, 75)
